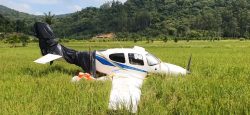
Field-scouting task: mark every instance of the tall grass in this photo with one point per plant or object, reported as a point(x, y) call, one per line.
point(219, 83)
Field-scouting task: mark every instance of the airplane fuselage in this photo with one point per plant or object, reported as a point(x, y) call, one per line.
point(135, 60)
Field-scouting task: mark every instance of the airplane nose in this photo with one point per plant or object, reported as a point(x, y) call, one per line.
point(171, 69)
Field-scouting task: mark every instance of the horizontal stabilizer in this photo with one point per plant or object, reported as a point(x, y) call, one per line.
point(47, 58)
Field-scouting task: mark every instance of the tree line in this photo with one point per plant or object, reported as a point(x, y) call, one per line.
point(143, 19)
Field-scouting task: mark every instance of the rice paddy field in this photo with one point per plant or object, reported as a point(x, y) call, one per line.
point(219, 82)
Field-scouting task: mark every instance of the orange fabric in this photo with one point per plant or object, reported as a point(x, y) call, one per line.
point(86, 76)
point(81, 75)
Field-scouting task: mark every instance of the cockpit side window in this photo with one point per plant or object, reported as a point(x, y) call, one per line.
point(152, 60)
point(118, 57)
point(135, 59)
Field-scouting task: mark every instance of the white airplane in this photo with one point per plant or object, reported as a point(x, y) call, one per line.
point(127, 66)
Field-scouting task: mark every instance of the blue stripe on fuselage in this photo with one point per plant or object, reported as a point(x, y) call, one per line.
point(132, 68)
point(106, 62)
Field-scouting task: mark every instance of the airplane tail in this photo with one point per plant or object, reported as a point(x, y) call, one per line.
point(49, 45)
point(47, 42)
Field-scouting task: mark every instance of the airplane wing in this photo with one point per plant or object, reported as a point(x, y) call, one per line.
point(47, 58)
point(126, 91)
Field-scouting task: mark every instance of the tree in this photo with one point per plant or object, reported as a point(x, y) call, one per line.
point(165, 39)
point(142, 20)
point(6, 25)
point(106, 5)
point(150, 18)
point(182, 30)
point(20, 25)
point(135, 37)
point(48, 18)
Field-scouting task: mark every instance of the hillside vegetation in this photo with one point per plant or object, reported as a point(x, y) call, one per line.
point(13, 14)
point(184, 19)
point(15, 21)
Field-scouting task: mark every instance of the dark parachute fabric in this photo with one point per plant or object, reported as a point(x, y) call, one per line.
point(48, 44)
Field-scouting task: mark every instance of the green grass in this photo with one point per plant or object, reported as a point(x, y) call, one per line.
point(219, 83)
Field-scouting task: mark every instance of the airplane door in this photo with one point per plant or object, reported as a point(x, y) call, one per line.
point(136, 60)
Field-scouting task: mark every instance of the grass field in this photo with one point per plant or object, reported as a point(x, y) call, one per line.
point(219, 83)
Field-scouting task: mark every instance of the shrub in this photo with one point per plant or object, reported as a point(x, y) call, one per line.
point(242, 39)
point(12, 40)
point(135, 40)
point(24, 39)
point(175, 40)
point(148, 40)
point(152, 40)
point(165, 39)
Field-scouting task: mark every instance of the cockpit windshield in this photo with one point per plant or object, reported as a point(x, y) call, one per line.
point(152, 60)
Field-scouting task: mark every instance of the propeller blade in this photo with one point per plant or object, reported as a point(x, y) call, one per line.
point(189, 64)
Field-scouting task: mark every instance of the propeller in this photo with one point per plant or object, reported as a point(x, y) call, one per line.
point(189, 64)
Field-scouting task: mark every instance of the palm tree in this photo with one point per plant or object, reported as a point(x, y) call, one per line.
point(48, 18)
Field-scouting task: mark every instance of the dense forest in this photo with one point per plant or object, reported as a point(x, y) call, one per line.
point(192, 19)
